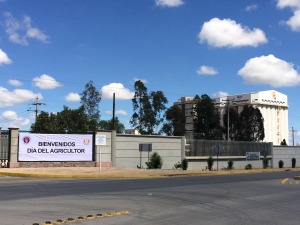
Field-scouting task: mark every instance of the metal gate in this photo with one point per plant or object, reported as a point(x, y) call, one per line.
point(4, 148)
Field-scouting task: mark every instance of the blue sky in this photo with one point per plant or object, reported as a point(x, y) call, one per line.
point(52, 48)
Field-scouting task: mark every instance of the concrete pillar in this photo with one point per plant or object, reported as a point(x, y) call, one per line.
point(182, 147)
point(13, 147)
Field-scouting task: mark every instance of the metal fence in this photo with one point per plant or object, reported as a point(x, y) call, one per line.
point(224, 148)
point(4, 145)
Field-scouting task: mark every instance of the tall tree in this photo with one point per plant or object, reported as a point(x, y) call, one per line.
point(90, 100)
point(206, 119)
point(175, 124)
point(108, 125)
point(251, 125)
point(148, 109)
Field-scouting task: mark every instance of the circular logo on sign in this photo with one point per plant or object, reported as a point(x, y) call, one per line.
point(86, 141)
point(26, 139)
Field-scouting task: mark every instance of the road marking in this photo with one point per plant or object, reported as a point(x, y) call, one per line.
point(284, 180)
point(88, 217)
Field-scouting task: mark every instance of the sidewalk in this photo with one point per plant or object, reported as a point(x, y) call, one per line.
point(113, 172)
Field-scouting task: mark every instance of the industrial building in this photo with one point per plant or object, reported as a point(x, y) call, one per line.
point(273, 106)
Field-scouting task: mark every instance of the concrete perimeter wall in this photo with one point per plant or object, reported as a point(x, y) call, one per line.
point(171, 150)
point(239, 162)
point(123, 151)
point(285, 153)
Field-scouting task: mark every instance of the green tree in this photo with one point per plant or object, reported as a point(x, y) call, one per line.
point(233, 124)
point(206, 119)
point(175, 124)
point(251, 125)
point(67, 121)
point(107, 125)
point(73, 120)
point(45, 123)
point(148, 109)
point(90, 100)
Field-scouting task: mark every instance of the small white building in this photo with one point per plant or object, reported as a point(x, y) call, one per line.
point(273, 106)
point(132, 131)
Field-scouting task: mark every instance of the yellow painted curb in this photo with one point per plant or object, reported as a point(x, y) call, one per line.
point(82, 176)
point(164, 174)
point(297, 177)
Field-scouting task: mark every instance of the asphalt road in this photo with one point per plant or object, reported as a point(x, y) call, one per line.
point(216, 200)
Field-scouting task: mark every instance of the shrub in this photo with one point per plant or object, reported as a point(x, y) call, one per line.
point(280, 164)
point(265, 162)
point(210, 163)
point(248, 167)
point(293, 163)
point(184, 164)
point(178, 165)
point(155, 161)
point(230, 164)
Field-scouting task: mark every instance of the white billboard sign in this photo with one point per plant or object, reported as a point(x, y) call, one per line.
point(55, 147)
point(252, 155)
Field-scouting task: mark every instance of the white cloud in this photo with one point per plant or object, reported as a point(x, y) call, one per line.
point(15, 83)
point(251, 7)
point(227, 33)
point(17, 96)
point(220, 94)
point(207, 70)
point(12, 119)
point(270, 70)
point(295, 4)
point(46, 82)
point(120, 91)
point(294, 21)
point(20, 31)
point(169, 3)
point(72, 97)
point(117, 112)
point(121, 112)
point(4, 59)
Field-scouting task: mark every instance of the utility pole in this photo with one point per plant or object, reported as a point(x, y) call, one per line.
point(114, 106)
point(36, 110)
point(293, 134)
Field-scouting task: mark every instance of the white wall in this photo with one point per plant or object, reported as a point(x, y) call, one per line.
point(171, 150)
point(286, 153)
point(239, 162)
